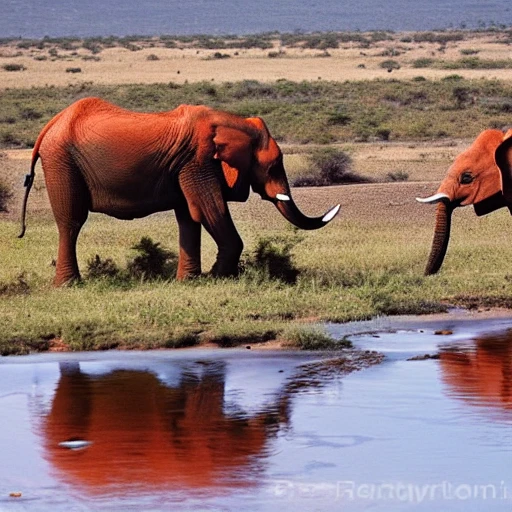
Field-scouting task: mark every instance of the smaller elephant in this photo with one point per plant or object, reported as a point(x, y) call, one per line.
point(98, 157)
point(481, 176)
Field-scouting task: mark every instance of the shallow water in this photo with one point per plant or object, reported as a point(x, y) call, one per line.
point(250, 430)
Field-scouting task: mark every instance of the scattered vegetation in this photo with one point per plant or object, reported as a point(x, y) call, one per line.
point(329, 166)
point(468, 62)
point(149, 262)
point(353, 270)
point(318, 112)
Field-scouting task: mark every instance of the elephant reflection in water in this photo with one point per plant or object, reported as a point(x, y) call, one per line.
point(147, 434)
point(482, 375)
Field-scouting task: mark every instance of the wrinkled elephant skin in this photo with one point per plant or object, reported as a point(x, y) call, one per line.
point(98, 157)
point(481, 176)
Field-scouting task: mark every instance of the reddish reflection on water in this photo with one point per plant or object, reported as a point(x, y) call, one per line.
point(481, 373)
point(149, 435)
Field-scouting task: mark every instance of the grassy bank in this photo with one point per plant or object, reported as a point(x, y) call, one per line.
point(401, 105)
point(358, 267)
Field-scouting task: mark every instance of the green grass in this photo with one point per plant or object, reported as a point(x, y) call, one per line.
point(351, 270)
point(318, 112)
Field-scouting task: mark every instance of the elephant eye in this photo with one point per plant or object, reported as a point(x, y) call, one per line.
point(466, 177)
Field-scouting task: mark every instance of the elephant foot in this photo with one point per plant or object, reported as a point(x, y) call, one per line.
point(220, 271)
point(66, 281)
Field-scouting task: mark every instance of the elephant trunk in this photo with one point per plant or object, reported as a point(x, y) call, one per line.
point(441, 237)
point(291, 213)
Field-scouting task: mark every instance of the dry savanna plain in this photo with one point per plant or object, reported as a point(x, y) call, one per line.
point(369, 261)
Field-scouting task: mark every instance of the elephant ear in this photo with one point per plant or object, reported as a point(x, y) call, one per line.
point(503, 157)
point(234, 148)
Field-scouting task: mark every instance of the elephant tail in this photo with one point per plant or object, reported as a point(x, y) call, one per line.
point(29, 180)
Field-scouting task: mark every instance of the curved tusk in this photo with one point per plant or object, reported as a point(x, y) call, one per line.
point(433, 199)
point(331, 214)
point(282, 197)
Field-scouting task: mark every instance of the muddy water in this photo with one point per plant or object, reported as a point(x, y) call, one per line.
point(255, 430)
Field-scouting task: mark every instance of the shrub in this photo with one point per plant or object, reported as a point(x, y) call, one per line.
point(152, 56)
point(73, 70)
point(467, 51)
point(310, 338)
point(452, 78)
point(219, 55)
point(462, 95)
point(97, 268)
point(151, 261)
point(14, 67)
point(424, 62)
point(272, 258)
point(93, 46)
point(329, 166)
point(10, 139)
point(5, 195)
point(397, 176)
point(29, 114)
point(390, 65)
point(275, 55)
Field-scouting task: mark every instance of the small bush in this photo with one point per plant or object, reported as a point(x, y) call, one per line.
point(152, 56)
point(424, 62)
point(397, 176)
point(5, 195)
point(272, 258)
point(219, 56)
point(329, 166)
point(151, 261)
point(311, 338)
point(10, 139)
point(98, 268)
point(73, 70)
point(390, 64)
point(462, 96)
point(467, 51)
point(14, 67)
point(29, 114)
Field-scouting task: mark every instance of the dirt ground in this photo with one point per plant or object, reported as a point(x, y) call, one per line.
point(391, 199)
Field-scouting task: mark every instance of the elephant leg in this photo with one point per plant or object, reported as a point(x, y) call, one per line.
point(69, 199)
point(189, 261)
point(230, 246)
point(207, 206)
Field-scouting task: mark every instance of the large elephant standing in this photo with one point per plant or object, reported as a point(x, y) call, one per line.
point(481, 176)
point(101, 158)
